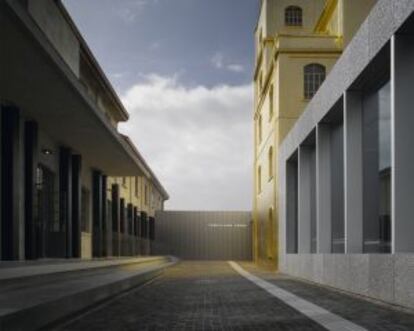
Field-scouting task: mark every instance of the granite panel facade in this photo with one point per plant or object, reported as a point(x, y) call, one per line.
point(374, 57)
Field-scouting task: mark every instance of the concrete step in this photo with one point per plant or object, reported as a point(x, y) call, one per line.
point(52, 292)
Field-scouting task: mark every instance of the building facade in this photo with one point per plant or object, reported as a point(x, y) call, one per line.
point(297, 42)
point(71, 184)
point(346, 186)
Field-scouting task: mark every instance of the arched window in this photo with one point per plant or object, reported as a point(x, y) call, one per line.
point(314, 75)
point(259, 179)
point(293, 16)
point(270, 156)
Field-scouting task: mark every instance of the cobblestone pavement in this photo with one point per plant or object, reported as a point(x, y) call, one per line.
point(371, 315)
point(212, 296)
point(196, 296)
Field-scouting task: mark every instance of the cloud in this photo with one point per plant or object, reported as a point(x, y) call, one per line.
point(198, 140)
point(218, 61)
point(154, 46)
point(235, 67)
point(117, 75)
point(130, 9)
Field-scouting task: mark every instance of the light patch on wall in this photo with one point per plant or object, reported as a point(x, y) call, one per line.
point(198, 140)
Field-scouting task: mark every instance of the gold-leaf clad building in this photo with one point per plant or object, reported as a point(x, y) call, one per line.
point(297, 42)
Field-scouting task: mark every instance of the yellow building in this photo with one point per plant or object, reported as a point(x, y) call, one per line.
point(297, 42)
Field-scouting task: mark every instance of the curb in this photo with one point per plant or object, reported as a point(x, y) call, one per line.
point(44, 314)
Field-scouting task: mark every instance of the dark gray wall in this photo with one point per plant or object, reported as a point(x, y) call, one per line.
point(203, 235)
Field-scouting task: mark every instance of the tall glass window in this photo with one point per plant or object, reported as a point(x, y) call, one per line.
point(377, 170)
point(337, 186)
point(292, 205)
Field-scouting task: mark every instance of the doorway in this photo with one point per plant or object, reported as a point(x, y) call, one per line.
point(45, 209)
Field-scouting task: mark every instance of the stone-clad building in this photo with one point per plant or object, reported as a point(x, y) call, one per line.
point(297, 42)
point(346, 168)
point(71, 184)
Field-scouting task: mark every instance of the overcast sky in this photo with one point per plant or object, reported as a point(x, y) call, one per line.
point(183, 69)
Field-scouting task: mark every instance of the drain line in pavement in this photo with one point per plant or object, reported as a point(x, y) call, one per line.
point(321, 316)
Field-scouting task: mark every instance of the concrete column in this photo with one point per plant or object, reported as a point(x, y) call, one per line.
point(123, 227)
point(402, 137)
point(130, 232)
point(116, 218)
point(76, 205)
point(65, 197)
point(107, 227)
point(30, 166)
point(12, 185)
point(136, 230)
point(353, 172)
point(97, 213)
point(323, 189)
point(304, 201)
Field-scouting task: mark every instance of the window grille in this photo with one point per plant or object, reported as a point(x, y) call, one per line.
point(293, 16)
point(314, 75)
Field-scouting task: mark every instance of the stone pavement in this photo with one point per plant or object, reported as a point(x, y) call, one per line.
point(33, 296)
point(212, 296)
point(373, 315)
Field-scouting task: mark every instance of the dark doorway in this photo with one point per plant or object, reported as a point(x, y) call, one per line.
point(45, 221)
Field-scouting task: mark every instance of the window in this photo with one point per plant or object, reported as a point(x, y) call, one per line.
point(314, 75)
point(270, 163)
point(293, 16)
point(123, 181)
point(136, 186)
point(45, 190)
point(271, 102)
point(146, 195)
point(377, 170)
point(259, 179)
point(259, 127)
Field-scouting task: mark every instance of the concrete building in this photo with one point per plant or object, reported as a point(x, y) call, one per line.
point(346, 186)
point(297, 44)
point(71, 185)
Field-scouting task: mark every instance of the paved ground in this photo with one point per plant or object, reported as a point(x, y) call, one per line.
point(371, 315)
point(212, 296)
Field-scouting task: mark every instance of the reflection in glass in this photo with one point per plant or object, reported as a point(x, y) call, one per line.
point(377, 170)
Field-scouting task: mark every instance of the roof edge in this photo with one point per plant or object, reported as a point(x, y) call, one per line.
point(147, 167)
point(93, 61)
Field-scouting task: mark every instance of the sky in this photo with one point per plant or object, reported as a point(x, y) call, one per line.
point(183, 69)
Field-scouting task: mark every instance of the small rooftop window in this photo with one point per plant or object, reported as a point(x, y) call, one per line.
point(293, 16)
